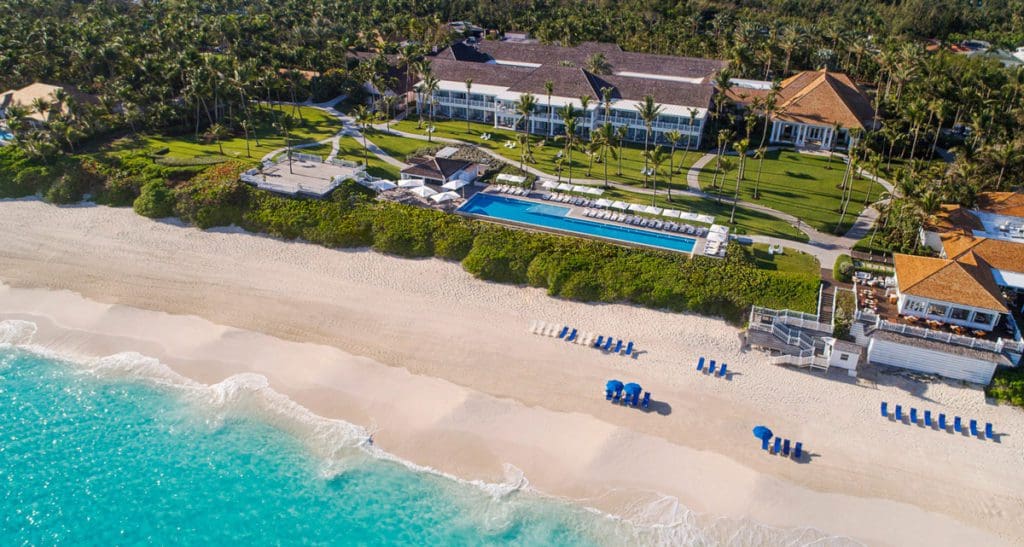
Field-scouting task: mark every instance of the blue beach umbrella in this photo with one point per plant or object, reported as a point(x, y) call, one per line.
point(633, 388)
point(762, 432)
point(613, 385)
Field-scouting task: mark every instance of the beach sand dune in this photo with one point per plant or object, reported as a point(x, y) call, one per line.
point(442, 368)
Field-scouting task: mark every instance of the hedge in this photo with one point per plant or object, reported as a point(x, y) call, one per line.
point(843, 268)
point(1008, 386)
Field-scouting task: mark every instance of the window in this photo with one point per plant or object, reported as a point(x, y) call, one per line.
point(913, 305)
point(937, 309)
point(960, 314)
point(844, 356)
point(983, 318)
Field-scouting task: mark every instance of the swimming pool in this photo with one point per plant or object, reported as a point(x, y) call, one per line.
point(5, 135)
point(556, 218)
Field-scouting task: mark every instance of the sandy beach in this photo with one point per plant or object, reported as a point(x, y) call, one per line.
point(441, 368)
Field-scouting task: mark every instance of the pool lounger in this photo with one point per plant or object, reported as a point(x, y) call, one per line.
point(785, 447)
point(711, 368)
point(608, 344)
point(721, 371)
point(885, 409)
point(618, 347)
point(647, 400)
point(599, 340)
point(913, 416)
point(798, 451)
point(778, 445)
point(629, 348)
point(764, 443)
point(562, 334)
point(974, 428)
point(988, 431)
point(942, 422)
point(572, 336)
point(927, 418)
point(958, 425)
point(899, 413)
point(700, 365)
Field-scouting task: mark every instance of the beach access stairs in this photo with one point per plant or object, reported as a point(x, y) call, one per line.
point(794, 338)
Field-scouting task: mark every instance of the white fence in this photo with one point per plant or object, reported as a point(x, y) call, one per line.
point(313, 158)
point(792, 318)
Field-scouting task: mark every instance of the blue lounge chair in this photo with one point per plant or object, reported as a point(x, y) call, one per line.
point(927, 418)
point(600, 339)
point(913, 416)
point(629, 348)
point(721, 371)
point(778, 445)
point(711, 368)
point(988, 431)
point(785, 447)
point(618, 347)
point(899, 413)
point(647, 400)
point(885, 409)
point(942, 422)
point(958, 425)
point(700, 365)
point(798, 451)
point(764, 442)
point(572, 336)
point(974, 428)
point(636, 399)
point(608, 394)
point(608, 343)
point(562, 334)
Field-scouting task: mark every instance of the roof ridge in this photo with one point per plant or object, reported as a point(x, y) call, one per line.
point(946, 263)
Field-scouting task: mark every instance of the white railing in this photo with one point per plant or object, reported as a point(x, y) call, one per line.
point(786, 334)
point(802, 360)
point(307, 157)
point(793, 318)
point(345, 163)
point(946, 337)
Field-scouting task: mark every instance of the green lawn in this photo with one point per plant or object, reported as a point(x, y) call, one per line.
point(316, 125)
point(396, 145)
point(790, 261)
point(802, 185)
point(544, 158)
point(351, 149)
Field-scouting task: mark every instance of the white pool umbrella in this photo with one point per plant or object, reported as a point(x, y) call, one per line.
point(444, 196)
point(671, 213)
point(603, 203)
point(564, 187)
point(549, 184)
point(580, 189)
point(410, 183)
point(454, 184)
point(595, 191)
point(652, 210)
point(383, 185)
point(637, 208)
point(423, 191)
point(620, 205)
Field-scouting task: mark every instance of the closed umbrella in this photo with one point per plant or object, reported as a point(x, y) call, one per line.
point(423, 191)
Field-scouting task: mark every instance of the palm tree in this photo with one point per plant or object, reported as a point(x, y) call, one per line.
point(673, 137)
point(246, 126)
point(42, 107)
point(620, 138)
point(216, 132)
point(656, 158)
point(549, 87)
point(598, 64)
point(605, 138)
point(723, 139)
point(1004, 156)
point(648, 111)
point(759, 154)
point(430, 86)
point(364, 118)
point(570, 120)
point(285, 123)
point(740, 147)
point(584, 105)
point(836, 128)
point(525, 108)
point(469, 90)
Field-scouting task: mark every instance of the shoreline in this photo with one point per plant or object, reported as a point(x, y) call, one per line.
point(448, 377)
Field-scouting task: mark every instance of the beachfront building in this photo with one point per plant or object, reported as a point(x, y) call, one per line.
point(484, 82)
point(816, 109)
point(440, 169)
point(56, 99)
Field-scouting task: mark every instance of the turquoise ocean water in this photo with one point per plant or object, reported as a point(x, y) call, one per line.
point(122, 451)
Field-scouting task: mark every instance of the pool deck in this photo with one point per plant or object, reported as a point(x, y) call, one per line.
point(576, 212)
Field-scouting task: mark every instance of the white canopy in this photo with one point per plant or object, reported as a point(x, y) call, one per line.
point(620, 205)
point(636, 207)
point(603, 203)
point(382, 185)
point(410, 183)
point(422, 191)
point(512, 179)
point(595, 191)
point(549, 184)
point(454, 184)
point(671, 213)
point(652, 210)
point(564, 187)
point(580, 189)
point(444, 196)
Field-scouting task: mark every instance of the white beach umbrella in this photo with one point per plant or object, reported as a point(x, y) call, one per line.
point(637, 208)
point(671, 213)
point(444, 196)
point(603, 203)
point(595, 191)
point(410, 183)
point(564, 187)
point(549, 184)
point(454, 184)
point(652, 210)
point(620, 205)
point(383, 185)
point(423, 191)
point(580, 189)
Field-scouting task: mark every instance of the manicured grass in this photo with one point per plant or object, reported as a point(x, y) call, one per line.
point(748, 221)
point(351, 149)
point(544, 158)
point(395, 145)
point(790, 261)
point(802, 185)
point(322, 149)
point(316, 125)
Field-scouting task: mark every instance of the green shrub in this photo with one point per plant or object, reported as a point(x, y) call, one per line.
point(73, 178)
point(29, 181)
point(13, 182)
point(190, 162)
point(843, 269)
point(453, 237)
point(156, 200)
point(404, 231)
point(1008, 386)
point(215, 197)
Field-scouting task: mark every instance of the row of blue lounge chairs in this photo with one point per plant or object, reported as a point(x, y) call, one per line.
point(781, 446)
point(618, 397)
point(605, 345)
point(711, 368)
point(958, 425)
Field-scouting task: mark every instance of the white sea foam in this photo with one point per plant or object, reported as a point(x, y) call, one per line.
point(661, 520)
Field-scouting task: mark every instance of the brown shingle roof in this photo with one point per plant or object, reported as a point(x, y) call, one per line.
point(567, 81)
point(954, 218)
point(967, 281)
point(436, 168)
point(1002, 203)
point(824, 98)
point(1000, 254)
point(665, 92)
point(26, 95)
point(481, 73)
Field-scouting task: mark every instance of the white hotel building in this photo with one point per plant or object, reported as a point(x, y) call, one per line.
point(503, 71)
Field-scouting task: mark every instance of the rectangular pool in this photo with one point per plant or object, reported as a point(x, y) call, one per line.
point(556, 217)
